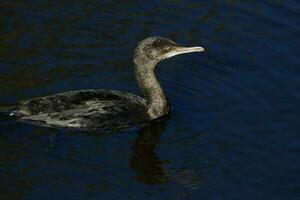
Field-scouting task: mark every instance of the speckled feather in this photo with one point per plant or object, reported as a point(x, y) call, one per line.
point(84, 109)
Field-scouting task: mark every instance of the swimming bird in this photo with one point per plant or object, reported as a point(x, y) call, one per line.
point(109, 109)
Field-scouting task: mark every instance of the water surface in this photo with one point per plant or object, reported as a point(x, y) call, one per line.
point(234, 128)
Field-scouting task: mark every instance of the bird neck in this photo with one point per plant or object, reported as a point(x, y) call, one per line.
point(157, 104)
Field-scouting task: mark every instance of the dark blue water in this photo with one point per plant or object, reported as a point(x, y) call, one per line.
point(234, 130)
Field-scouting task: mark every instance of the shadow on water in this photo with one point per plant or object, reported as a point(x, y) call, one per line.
point(144, 161)
point(63, 159)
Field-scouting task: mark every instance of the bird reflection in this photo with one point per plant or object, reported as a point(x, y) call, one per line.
point(144, 160)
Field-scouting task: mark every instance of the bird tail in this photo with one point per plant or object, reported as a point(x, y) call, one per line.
point(7, 111)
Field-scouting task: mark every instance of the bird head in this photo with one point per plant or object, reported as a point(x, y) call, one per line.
point(156, 49)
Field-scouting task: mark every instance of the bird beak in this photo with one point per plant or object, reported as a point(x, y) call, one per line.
point(182, 50)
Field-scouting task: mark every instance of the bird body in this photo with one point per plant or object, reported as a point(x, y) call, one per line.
point(108, 109)
point(84, 109)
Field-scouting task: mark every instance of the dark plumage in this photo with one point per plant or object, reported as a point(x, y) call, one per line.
point(108, 109)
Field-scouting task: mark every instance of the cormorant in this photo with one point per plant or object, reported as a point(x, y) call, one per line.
point(109, 109)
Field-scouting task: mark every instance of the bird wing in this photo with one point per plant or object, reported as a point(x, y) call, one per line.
point(84, 108)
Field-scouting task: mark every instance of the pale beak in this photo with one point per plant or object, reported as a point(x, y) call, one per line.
point(182, 50)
